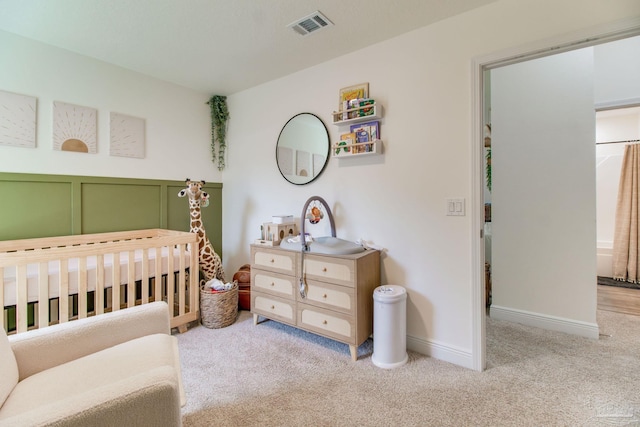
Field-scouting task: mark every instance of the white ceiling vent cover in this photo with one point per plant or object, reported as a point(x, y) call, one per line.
point(309, 24)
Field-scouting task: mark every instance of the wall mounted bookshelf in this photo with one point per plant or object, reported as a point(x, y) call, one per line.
point(351, 149)
point(357, 149)
point(339, 116)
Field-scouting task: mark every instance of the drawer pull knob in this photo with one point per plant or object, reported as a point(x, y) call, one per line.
point(324, 322)
point(324, 270)
point(272, 260)
point(324, 295)
point(273, 307)
point(273, 284)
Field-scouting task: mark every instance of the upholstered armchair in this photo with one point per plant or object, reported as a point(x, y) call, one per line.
point(114, 369)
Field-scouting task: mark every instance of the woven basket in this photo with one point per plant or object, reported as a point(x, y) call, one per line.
point(218, 309)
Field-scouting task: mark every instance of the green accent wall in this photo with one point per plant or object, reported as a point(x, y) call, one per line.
point(33, 205)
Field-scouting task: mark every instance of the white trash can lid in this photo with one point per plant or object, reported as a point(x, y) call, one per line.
point(389, 293)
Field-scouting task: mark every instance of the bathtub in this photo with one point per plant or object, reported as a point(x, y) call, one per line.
point(604, 254)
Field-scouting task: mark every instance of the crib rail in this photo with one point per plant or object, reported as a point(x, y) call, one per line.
point(110, 271)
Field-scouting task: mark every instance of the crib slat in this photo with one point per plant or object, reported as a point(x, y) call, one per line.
point(43, 295)
point(21, 300)
point(115, 282)
point(158, 275)
point(63, 290)
point(131, 280)
point(170, 280)
point(181, 280)
point(145, 276)
point(99, 297)
point(82, 287)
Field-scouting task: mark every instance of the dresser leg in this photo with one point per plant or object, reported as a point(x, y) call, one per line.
point(255, 319)
point(353, 349)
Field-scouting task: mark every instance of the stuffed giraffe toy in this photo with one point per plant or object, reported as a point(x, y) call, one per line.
point(210, 263)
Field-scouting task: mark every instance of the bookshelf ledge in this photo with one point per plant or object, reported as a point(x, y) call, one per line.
point(339, 116)
point(358, 149)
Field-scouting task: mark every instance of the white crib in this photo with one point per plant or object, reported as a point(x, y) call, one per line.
point(56, 279)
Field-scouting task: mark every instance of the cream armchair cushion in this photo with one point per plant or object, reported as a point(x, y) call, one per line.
point(119, 368)
point(8, 368)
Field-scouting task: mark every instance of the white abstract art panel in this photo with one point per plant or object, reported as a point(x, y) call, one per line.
point(127, 136)
point(17, 120)
point(303, 163)
point(74, 128)
point(285, 160)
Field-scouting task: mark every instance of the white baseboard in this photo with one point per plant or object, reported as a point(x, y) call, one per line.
point(440, 351)
point(545, 321)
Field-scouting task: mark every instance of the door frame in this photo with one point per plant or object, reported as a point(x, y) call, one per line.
point(559, 44)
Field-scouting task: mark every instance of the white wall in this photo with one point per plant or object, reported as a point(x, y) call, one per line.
point(544, 217)
point(396, 200)
point(616, 71)
point(177, 119)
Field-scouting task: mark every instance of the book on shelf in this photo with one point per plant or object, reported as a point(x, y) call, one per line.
point(346, 140)
point(345, 107)
point(362, 135)
point(366, 132)
point(363, 112)
point(353, 104)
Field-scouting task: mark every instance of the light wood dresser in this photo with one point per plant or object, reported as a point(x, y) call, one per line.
point(339, 300)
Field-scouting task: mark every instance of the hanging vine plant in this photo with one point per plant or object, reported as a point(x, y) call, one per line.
point(219, 117)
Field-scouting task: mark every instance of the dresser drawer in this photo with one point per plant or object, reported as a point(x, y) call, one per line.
point(273, 307)
point(330, 269)
point(278, 261)
point(326, 322)
point(333, 297)
point(273, 283)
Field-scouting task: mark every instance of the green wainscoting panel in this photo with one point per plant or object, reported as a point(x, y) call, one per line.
point(35, 208)
point(34, 205)
point(122, 207)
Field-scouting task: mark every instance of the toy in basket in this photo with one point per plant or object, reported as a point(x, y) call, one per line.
point(218, 303)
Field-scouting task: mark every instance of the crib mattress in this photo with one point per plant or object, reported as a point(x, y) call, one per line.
point(10, 274)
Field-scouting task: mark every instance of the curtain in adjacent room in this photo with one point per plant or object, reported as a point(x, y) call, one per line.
point(626, 239)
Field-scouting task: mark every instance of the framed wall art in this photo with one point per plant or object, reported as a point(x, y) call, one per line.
point(285, 160)
point(303, 163)
point(127, 136)
point(17, 120)
point(74, 128)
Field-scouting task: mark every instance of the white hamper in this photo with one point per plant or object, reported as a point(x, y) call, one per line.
point(389, 326)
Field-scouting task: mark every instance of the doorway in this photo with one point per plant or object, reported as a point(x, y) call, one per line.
point(616, 127)
point(480, 66)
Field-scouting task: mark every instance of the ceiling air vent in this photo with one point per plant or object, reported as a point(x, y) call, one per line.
point(309, 24)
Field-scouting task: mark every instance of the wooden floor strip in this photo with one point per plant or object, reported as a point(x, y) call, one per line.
point(620, 300)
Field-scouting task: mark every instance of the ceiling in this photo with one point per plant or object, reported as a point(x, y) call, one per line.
point(218, 46)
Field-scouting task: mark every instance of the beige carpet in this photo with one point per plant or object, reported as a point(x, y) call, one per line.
point(274, 375)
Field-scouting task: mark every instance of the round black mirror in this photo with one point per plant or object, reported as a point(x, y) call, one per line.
point(302, 150)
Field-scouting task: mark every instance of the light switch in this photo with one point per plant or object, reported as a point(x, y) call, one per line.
point(455, 207)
